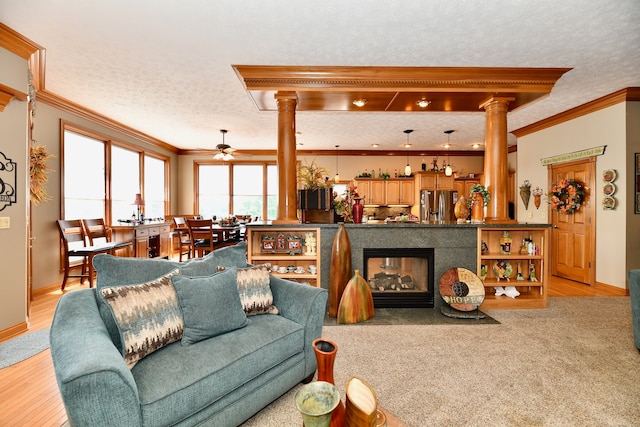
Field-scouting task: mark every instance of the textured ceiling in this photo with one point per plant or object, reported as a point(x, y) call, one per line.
point(165, 67)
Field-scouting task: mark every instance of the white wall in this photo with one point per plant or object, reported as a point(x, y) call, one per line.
point(603, 127)
point(13, 241)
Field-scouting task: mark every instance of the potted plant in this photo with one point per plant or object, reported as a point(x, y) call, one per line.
point(316, 192)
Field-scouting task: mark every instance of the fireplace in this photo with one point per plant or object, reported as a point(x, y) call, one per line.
point(400, 277)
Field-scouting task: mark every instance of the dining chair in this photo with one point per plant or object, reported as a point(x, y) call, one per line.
point(99, 234)
point(201, 235)
point(182, 232)
point(75, 249)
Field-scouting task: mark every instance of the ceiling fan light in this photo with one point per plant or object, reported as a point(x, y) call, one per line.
point(219, 156)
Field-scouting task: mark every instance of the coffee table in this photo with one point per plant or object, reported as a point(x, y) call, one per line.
point(392, 420)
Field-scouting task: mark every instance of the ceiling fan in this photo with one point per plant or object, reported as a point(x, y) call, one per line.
point(225, 152)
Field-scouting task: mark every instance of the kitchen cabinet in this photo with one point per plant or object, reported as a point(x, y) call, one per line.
point(285, 247)
point(528, 266)
point(400, 191)
point(434, 181)
point(383, 192)
point(373, 190)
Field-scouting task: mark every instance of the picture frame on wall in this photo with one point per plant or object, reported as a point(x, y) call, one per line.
point(637, 183)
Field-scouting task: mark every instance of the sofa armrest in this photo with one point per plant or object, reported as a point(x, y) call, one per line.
point(96, 385)
point(305, 305)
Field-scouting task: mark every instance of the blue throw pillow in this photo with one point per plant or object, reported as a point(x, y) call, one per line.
point(120, 271)
point(210, 305)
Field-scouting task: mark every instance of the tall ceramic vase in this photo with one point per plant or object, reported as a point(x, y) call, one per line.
point(357, 302)
point(325, 351)
point(340, 268)
point(477, 208)
point(356, 211)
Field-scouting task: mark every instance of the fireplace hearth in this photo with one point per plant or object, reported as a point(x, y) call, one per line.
point(400, 277)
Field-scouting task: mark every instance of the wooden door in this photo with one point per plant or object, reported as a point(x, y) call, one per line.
point(573, 235)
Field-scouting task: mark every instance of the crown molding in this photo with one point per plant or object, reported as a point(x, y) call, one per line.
point(82, 112)
point(623, 95)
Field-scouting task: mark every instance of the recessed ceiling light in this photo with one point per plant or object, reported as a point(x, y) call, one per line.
point(375, 145)
point(446, 145)
point(407, 145)
point(359, 102)
point(423, 103)
point(476, 145)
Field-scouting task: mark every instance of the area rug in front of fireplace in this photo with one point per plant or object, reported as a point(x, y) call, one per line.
point(415, 316)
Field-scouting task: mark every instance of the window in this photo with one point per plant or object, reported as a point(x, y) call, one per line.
point(84, 184)
point(125, 182)
point(237, 189)
point(90, 192)
point(154, 187)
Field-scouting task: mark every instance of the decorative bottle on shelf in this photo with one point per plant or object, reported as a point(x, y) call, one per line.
point(505, 243)
point(356, 210)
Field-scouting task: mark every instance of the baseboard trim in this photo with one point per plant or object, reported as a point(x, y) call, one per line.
point(14, 331)
point(613, 289)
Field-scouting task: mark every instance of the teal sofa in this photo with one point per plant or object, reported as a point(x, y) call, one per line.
point(219, 381)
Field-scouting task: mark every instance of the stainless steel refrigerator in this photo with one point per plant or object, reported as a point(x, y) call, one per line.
point(437, 206)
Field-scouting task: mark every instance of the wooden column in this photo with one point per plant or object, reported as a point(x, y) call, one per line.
point(287, 187)
point(495, 158)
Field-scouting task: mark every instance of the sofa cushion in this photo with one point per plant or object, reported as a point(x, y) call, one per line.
point(255, 291)
point(148, 316)
point(118, 271)
point(179, 381)
point(210, 305)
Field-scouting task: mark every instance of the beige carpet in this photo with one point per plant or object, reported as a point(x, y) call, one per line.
point(572, 364)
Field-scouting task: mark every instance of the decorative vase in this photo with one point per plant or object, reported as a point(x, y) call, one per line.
point(356, 211)
point(362, 404)
point(477, 208)
point(316, 401)
point(356, 304)
point(525, 194)
point(461, 209)
point(536, 200)
point(340, 268)
point(325, 351)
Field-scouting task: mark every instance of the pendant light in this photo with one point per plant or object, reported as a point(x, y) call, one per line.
point(448, 171)
point(336, 178)
point(407, 169)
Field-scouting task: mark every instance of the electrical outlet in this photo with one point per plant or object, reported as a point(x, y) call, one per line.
point(4, 222)
point(530, 214)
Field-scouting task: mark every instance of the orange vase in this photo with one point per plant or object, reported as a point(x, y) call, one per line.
point(477, 208)
point(340, 268)
point(325, 351)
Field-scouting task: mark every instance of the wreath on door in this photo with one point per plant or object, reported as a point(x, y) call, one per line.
point(567, 196)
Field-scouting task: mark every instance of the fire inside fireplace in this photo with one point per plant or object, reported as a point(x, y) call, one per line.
point(400, 277)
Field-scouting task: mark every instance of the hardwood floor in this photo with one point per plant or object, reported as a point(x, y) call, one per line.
point(29, 393)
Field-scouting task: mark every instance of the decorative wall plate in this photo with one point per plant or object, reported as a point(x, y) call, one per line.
point(608, 203)
point(461, 289)
point(608, 189)
point(609, 175)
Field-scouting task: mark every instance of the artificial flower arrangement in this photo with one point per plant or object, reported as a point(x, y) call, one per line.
point(567, 196)
point(39, 169)
point(343, 203)
point(479, 188)
point(312, 176)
